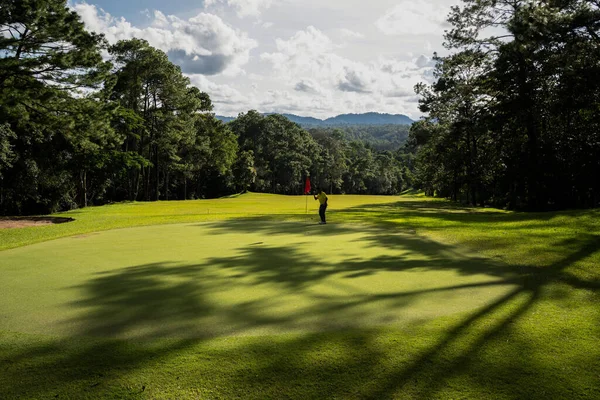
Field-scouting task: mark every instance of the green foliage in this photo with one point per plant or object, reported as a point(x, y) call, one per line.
point(7, 155)
point(516, 111)
point(283, 152)
point(379, 137)
point(166, 131)
point(244, 171)
point(48, 67)
point(332, 160)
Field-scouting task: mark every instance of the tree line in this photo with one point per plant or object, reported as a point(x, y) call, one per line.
point(514, 114)
point(387, 137)
point(84, 122)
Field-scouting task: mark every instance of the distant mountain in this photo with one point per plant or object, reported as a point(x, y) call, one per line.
point(369, 119)
point(224, 119)
point(345, 119)
point(310, 121)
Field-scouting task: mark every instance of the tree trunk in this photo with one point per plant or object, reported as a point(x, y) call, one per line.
point(85, 191)
point(156, 175)
point(167, 184)
point(2, 195)
point(21, 44)
point(528, 109)
point(147, 184)
point(83, 188)
point(136, 190)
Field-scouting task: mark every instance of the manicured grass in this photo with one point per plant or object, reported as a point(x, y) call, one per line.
point(125, 215)
point(402, 297)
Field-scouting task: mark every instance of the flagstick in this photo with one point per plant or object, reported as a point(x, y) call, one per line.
point(307, 204)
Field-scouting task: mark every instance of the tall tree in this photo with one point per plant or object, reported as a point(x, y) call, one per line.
point(158, 95)
point(535, 108)
point(48, 62)
point(332, 161)
point(283, 152)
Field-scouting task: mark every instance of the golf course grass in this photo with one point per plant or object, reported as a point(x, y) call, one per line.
point(247, 297)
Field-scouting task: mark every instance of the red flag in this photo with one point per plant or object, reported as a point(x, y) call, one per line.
point(307, 186)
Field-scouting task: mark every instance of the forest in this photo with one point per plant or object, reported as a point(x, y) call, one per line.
point(512, 120)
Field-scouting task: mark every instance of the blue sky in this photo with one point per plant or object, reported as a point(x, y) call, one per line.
point(307, 57)
point(132, 10)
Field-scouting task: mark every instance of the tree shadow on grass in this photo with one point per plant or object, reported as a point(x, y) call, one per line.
point(164, 310)
point(435, 256)
point(461, 354)
point(449, 212)
point(520, 301)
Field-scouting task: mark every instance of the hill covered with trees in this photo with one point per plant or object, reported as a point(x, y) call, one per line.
point(380, 137)
point(365, 119)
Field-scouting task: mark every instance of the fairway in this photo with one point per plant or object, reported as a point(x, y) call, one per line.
point(239, 278)
point(248, 297)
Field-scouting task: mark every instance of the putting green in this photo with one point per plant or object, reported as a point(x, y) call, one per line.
point(239, 277)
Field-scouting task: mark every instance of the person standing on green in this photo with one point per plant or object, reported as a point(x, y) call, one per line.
point(322, 197)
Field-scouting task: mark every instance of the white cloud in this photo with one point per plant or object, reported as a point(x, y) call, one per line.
point(423, 61)
point(201, 44)
point(307, 42)
point(414, 18)
point(219, 93)
point(308, 85)
point(308, 57)
point(160, 20)
point(309, 63)
point(355, 80)
point(244, 8)
point(349, 34)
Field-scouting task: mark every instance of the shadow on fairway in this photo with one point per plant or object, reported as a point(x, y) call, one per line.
point(416, 213)
point(165, 300)
point(286, 266)
point(170, 300)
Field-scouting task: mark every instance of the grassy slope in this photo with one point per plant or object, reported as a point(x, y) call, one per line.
point(125, 215)
point(538, 339)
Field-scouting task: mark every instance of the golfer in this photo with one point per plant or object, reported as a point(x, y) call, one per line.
point(322, 197)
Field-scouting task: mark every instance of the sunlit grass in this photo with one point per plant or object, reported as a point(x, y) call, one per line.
point(124, 215)
point(397, 297)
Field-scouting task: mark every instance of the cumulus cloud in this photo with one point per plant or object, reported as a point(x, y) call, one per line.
point(307, 53)
point(349, 34)
point(307, 42)
point(414, 18)
point(308, 86)
point(348, 64)
point(354, 81)
point(219, 93)
point(244, 8)
point(399, 92)
point(424, 62)
point(202, 44)
point(384, 84)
